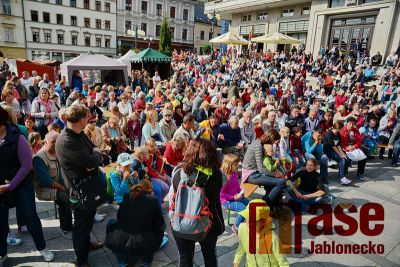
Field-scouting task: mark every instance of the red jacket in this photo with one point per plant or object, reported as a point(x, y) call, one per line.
point(344, 138)
point(340, 100)
point(222, 113)
point(133, 131)
point(173, 157)
point(259, 132)
point(154, 172)
point(245, 98)
point(295, 143)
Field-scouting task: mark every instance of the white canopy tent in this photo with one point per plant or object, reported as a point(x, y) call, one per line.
point(107, 66)
point(127, 59)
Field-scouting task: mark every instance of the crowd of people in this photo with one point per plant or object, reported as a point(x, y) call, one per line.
point(217, 122)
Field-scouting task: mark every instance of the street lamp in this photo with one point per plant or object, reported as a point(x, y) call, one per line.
point(134, 32)
point(148, 38)
point(211, 17)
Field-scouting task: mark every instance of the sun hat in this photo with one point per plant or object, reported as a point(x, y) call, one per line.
point(262, 212)
point(124, 159)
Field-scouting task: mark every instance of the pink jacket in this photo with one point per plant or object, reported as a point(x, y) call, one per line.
point(230, 189)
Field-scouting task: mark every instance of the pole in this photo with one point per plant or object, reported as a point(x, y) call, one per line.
point(135, 36)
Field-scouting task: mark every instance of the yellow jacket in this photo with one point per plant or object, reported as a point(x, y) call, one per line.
point(273, 259)
point(205, 124)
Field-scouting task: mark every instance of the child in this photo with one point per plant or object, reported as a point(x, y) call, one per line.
point(270, 163)
point(133, 128)
point(284, 150)
point(307, 190)
point(155, 165)
point(122, 178)
point(139, 169)
point(230, 194)
point(295, 146)
point(371, 136)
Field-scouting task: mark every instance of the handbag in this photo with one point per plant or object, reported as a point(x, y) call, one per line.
point(8, 200)
point(90, 192)
point(356, 155)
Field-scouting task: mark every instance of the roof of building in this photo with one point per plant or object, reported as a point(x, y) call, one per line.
point(199, 15)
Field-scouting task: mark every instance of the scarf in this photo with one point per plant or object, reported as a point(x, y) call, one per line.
point(47, 104)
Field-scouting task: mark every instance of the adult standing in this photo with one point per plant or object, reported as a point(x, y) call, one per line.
point(16, 166)
point(254, 172)
point(44, 111)
point(79, 159)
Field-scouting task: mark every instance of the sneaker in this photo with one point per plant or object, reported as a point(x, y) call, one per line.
point(47, 255)
point(345, 181)
point(360, 177)
point(66, 234)
point(12, 240)
point(99, 217)
point(22, 229)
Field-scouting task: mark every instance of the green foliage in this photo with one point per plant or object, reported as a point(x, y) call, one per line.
point(201, 51)
point(165, 45)
point(206, 49)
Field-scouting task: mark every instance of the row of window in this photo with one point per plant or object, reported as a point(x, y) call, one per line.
point(74, 39)
point(86, 4)
point(143, 27)
point(55, 55)
point(287, 12)
point(210, 35)
point(159, 9)
point(290, 26)
point(73, 21)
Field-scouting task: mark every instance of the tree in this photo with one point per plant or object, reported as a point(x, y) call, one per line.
point(165, 38)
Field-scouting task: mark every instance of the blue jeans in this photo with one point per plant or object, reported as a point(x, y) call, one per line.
point(237, 206)
point(123, 259)
point(300, 157)
point(305, 204)
point(332, 155)
point(275, 185)
point(25, 195)
point(323, 164)
point(396, 152)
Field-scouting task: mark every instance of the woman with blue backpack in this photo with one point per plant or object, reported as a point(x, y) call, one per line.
point(195, 211)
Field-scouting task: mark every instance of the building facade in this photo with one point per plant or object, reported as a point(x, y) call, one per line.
point(204, 30)
point(63, 29)
point(147, 16)
point(375, 23)
point(12, 41)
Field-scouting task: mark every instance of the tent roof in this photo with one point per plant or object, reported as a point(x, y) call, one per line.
point(150, 55)
point(276, 38)
point(229, 38)
point(129, 55)
point(88, 61)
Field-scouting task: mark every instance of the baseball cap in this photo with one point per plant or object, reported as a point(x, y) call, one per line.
point(124, 159)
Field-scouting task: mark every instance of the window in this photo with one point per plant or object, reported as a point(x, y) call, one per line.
point(159, 10)
point(36, 36)
point(34, 15)
point(59, 2)
point(6, 7)
point(201, 35)
point(128, 25)
point(210, 35)
point(262, 16)
point(144, 6)
point(86, 4)
point(107, 7)
point(68, 56)
point(98, 6)
point(128, 4)
point(172, 12)
point(72, 3)
point(172, 29)
point(74, 21)
point(47, 37)
point(185, 14)
point(184, 34)
point(143, 27)
point(98, 23)
point(87, 40)
point(107, 43)
point(293, 26)
point(46, 17)
point(74, 39)
point(107, 24)
point(9, 35)
point(57, 56)
point(45, 1)
point(87, 22)
point(337, 3)
point(98, 41)
point(246, 18)
point(287, 12)
point(158, 30)
point(306, 10)
point(60, 38)
point(60, 19)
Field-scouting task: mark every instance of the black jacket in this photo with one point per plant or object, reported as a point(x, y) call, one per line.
point(75, 154)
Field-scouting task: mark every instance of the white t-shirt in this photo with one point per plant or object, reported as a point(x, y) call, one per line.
point(26, 82)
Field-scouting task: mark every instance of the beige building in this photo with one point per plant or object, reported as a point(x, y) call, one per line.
point(204, 30)
point(12, 34)
point(375, 23)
